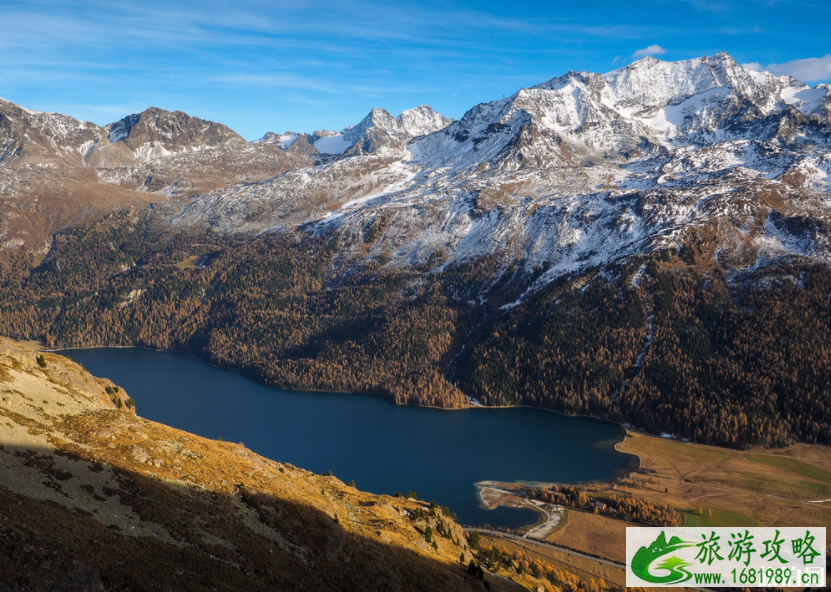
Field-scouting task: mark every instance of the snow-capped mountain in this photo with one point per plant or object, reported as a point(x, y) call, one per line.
point(379, 132)
point(284, 141)
point(579, 171)
point(421, 121)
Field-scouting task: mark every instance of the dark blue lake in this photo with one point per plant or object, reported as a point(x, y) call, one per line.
point(384, 447)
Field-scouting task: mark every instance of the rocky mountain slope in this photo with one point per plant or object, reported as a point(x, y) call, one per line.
point(379, 132)
point(97, 498)
point(580, 171)
point(56, 170)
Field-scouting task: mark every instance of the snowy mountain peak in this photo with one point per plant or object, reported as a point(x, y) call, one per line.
point(421, 121)
point(560, 82)
point(650, 83)
point(590, 118)
point(379, 132)
point(584, 168)
point(283, 141)
point(266, 138)
point(575, 172)
point(377, 118)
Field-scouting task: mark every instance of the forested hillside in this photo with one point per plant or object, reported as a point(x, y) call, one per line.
point(664, 342)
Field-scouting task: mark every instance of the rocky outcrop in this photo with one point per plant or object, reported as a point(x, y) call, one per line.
point(156, 131)
point(56, 170)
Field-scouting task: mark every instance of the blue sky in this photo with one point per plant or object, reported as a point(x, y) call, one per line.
point(260, 65)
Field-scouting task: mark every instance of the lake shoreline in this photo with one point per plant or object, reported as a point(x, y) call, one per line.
point(322, 433)
point(634, 464)
point(624, 428)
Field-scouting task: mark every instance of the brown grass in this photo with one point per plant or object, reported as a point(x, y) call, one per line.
point(765, 487)
point(190, 262)
point(582, 532)
point(712, 486)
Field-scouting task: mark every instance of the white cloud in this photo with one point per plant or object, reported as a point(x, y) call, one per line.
point(806, 70)
point(652, 50)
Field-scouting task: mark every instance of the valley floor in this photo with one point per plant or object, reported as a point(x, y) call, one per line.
point(710, 486)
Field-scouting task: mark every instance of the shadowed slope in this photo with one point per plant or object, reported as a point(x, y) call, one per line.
point(96, 498)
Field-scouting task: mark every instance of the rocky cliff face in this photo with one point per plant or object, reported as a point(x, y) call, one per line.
point(164, 132)
point(95, 498)
point(379, 132)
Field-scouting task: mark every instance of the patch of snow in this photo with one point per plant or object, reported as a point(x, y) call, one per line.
point(396, 169)
point(118, 135)
point(86, 148)
point(337, 144)
point(288, 139)
point(635, 282)
point(807, 100)
point(757, 75)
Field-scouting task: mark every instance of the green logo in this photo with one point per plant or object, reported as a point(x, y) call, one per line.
point(646, 556)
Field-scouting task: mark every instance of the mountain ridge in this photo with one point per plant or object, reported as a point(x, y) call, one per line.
point(567, 148)
point(580, 142)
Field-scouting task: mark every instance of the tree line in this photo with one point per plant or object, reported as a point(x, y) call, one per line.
point(621, 507)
